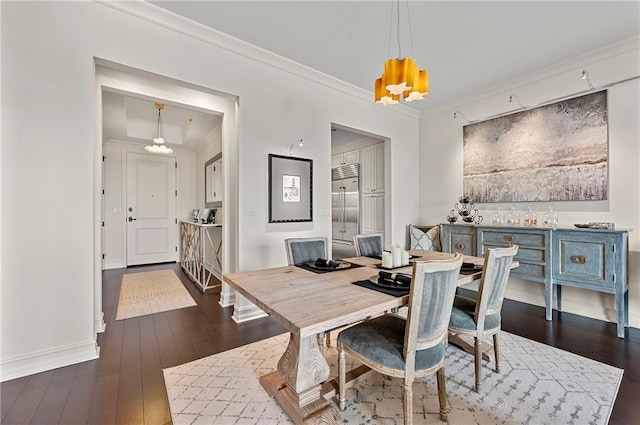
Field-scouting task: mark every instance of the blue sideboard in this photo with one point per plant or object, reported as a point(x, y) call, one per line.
point(591, 259)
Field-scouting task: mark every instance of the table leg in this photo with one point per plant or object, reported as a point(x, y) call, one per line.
point(297, 383)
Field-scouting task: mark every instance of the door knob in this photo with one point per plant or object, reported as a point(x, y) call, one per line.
point(131, 219)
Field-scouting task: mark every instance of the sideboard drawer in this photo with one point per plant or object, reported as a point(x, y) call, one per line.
point(463, 243)
point(518, 238)
point(459, 238)
point(524, 254)
point(585, 261)
point(535, 272)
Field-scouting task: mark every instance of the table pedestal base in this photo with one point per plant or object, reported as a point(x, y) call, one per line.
point(316, 412)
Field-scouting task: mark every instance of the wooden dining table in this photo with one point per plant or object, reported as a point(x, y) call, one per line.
point(309, 304)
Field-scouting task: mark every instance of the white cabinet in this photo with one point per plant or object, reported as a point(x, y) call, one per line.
point(372, 169)
point(217, 180)
point(345, 158)
point(373, 213)
point(213, 181)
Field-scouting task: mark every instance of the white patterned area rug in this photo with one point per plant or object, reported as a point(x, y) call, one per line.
point(538, 384)
point(151, 292)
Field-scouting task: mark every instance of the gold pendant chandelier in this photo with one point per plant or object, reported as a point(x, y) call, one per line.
point(158, 139)
point(402, 79)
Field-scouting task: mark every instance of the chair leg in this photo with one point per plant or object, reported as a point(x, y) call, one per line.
point(342, 377)
point(442, 394)
point(407, 394)
point(328, 337)
point(478, 362)
point(496, 351)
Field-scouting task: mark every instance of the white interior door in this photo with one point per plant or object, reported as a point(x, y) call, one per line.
point(151, 209)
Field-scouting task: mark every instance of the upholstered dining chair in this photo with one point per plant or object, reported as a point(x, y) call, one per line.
point(303, 250)
point(481, 318)
point(407, 348)
point(368, 245)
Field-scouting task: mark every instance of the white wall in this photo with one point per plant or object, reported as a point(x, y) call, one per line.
point(441, 156)
point(51, 166)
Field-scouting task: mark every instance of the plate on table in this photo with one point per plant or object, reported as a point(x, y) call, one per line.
point(341, 265)
point(469, 266)
point(374, 280)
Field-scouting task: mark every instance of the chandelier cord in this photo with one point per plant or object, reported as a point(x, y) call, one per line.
point(398, 29)
point(390, 29)
point(410, 30)
point(158, 133)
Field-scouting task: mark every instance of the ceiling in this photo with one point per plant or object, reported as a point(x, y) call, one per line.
point(129, 117)
point(467, 46)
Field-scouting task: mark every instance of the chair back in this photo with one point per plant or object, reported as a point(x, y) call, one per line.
point(368, 245)
point(303, 250)
point(495, 275)
point(433, 289)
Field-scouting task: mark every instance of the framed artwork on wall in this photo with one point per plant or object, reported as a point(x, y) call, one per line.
point(290, 189)
point(555, 152)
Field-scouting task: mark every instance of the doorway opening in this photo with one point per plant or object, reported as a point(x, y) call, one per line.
point(124, 132)
point(358, 181)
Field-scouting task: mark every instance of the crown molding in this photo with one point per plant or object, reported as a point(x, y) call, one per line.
point(164, 18)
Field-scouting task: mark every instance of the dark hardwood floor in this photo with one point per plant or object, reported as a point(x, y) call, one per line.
point(125, 385)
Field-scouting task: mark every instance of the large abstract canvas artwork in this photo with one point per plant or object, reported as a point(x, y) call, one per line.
point(556, 152)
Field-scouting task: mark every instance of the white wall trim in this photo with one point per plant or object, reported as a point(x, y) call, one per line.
point(227, 296)
point(99, 325)
point(182, 25)
point(247, 313)
point(41, 361)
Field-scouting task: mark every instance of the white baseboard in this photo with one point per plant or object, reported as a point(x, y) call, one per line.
point(20, 366)
point(244, 314)
point(99, 324)
point(111, 266)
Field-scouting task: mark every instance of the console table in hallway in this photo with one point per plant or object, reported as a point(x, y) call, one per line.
point(195, 242)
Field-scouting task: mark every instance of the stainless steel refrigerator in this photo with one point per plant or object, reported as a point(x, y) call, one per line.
point(345, 203)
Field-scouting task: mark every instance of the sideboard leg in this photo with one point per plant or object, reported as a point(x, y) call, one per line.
point(626, 308)
point(548, 299)
point(558, 297)
point(622, 313)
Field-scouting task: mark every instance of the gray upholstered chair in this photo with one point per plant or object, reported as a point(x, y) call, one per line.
point(480, 318)
point(303, 250)
point(369, 245)
point(408, 348)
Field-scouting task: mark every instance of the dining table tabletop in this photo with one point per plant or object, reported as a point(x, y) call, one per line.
point(308, 304)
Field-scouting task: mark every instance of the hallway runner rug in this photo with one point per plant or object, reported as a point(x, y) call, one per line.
point(538, 384)
point(151, 292)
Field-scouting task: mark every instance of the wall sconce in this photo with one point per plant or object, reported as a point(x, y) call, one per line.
point(585, 76)
point(456, 114)
point(297, 142)
point(515, 98)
